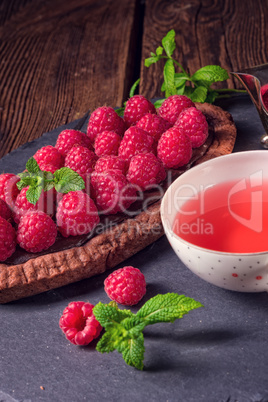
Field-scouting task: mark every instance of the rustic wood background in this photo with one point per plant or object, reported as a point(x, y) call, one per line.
point(60, 58)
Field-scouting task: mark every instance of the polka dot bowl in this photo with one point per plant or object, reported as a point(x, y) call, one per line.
point(244, 272)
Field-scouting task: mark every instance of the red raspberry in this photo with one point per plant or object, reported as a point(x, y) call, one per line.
point(174, 148)
point(136, 107)
point(173, 106)
point(49, 158)
point(68, 138)
point(153, 125)
point(46, 203)
point(125, 285)
point(76, 214)
point(135, 141)
point(107, 143)
point(194, 124)
point(36, 232)
point(8, 188)
point(104, 119)
point(112, 192)
point(145, 170)
point(7, 239)
point(79, 324)
point(5, 211)
point(81, 160)
point(109, 162)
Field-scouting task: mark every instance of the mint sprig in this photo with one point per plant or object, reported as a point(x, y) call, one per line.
point(64, 180)
point(196, 86)
point(124, 329)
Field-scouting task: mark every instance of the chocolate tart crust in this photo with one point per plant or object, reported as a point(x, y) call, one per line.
point(114, 245)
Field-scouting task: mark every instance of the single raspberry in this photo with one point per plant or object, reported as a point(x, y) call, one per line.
point(107, 143)
point(104, 119)
point(112, 192)
point(135, 141)
point(145, 170)
point(173, 106)
point(36, 232)
point(136, 107)
point(49, 158)
point(68, 138)
point(174, 148)
point(8, 188)
point(194, 124)
point(45, 203)
point(7, 239)
point(5, 211)
point(76, 214)
point(81, 160)
point(79, 324)
point(126, 285)
point(153, 125)
point(109, 162)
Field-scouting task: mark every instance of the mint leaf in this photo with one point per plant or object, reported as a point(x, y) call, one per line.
point(159, 102)
point(66, 180)
point(133, 353)
point(105, 313)
point(120, 111)
point(33, 194)
point(199, 94)
point(210, 74)
point(106, 344)
point(133, 88)
point(169, 78)
point(168, 43)
point(32, 166)
point(159, 51)
point(211, 96)
point(166, 308)
point(150, 60)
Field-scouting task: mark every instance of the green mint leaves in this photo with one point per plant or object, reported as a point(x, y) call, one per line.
point(64, 180)
point(124, 328)
point(197, 86)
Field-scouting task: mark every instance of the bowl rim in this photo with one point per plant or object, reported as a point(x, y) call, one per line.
point(201, 165)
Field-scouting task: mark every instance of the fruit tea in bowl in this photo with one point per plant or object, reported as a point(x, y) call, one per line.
point(215, 217)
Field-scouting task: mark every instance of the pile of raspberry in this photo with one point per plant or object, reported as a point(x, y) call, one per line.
point(118, 157)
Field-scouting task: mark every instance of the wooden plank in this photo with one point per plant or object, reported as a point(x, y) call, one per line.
point(60, 58)
point(230, 33)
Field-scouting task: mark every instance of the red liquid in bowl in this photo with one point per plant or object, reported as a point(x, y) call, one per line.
point(229, 217)
point(264, 95)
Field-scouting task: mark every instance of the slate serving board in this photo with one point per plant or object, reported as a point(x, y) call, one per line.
point(215, 354)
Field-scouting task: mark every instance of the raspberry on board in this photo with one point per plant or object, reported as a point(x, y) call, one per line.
point(7, 239)
point(68, 138)
point(8, 188)
point(76, 214)
point(49, 158)
point(145, 170)
point(154, 125)
point(46, 203)
point(107, 143)
point(104, 119)
point(136, 107)
point(135, 141)
point(112, 192)
point(5, 211)
point(79, 324)
point(126, 285)
point(36, 232)
point(109, 162)
point(194, 124)
point(173, 106)
point(174, 148)
point(82, 160)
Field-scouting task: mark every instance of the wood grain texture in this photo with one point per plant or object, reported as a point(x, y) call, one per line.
point(230, 33)
point(60, 58)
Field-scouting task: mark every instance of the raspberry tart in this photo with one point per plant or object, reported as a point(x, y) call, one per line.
point(109, 239)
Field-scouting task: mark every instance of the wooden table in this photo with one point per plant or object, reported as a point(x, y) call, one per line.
point(60, 58)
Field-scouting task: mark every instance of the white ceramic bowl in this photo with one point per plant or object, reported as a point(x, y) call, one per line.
point(245, 272)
